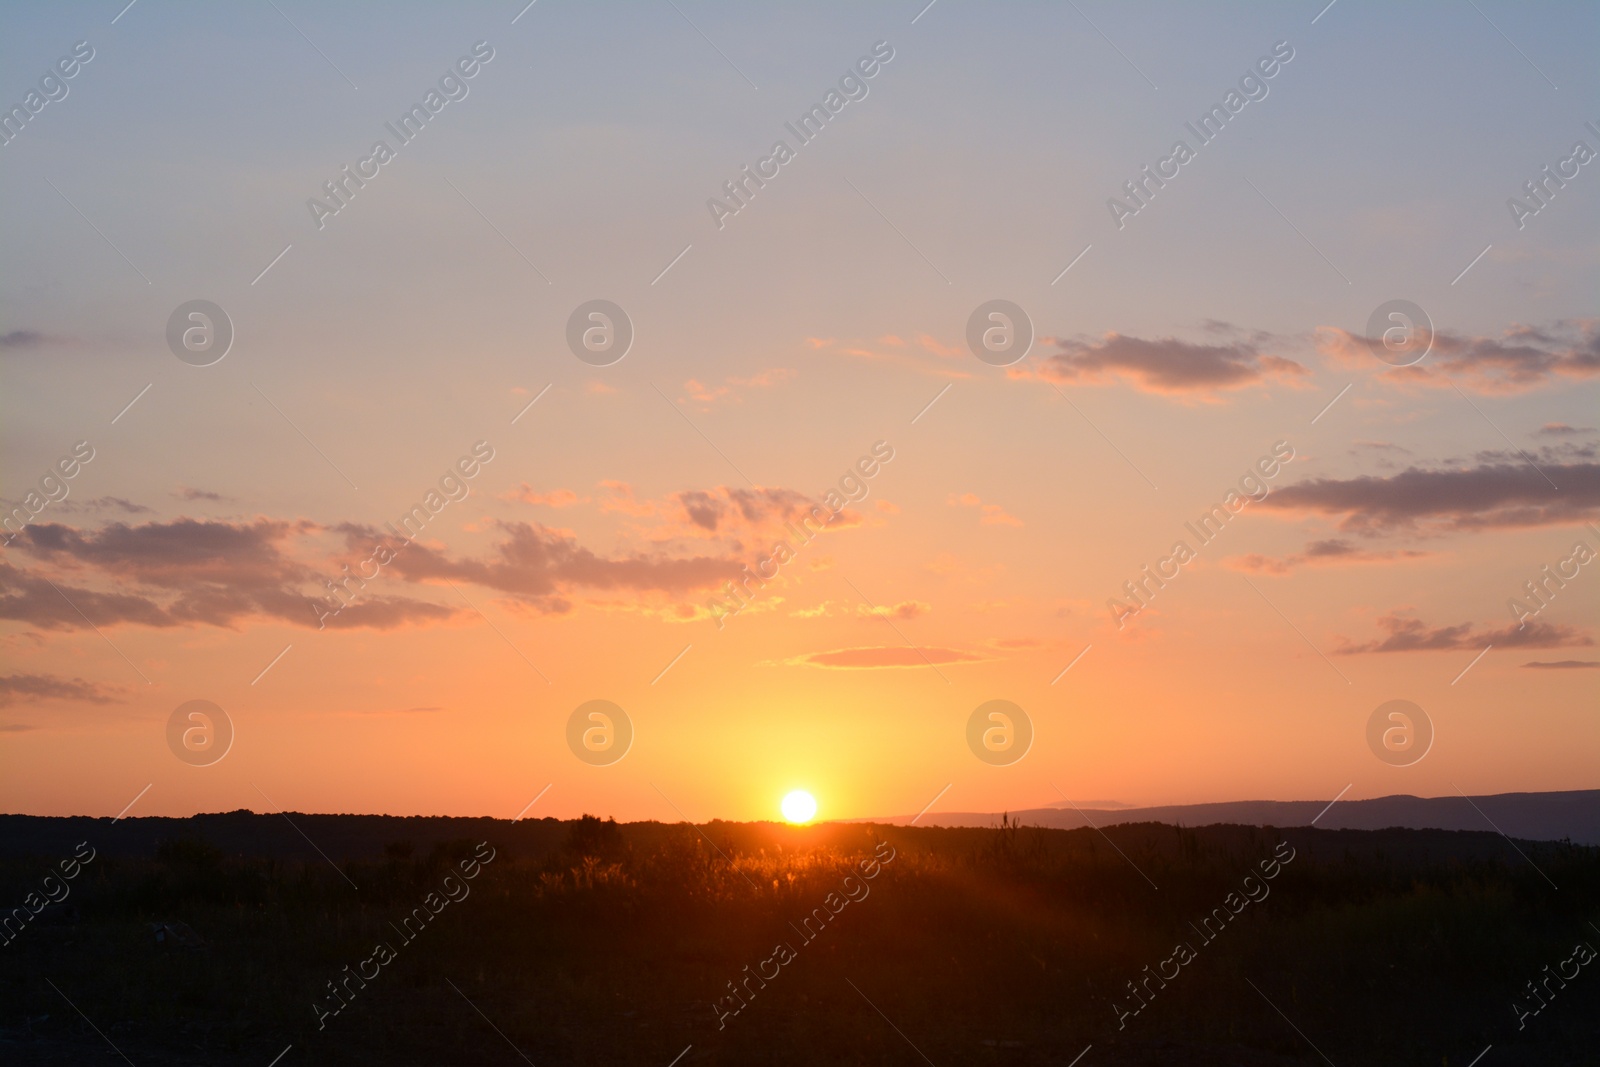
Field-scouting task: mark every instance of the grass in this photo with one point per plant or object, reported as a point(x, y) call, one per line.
point(588, 942)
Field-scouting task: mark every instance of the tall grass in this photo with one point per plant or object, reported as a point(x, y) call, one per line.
point(606, 943)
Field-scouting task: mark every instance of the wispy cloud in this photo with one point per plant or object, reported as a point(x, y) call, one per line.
point(993, 514)
point(1520, 359)
point(948, 361)
point(182, 573)
point(870, 657)
point(190, 494)
point(1495, 495)
point(543, 568)
point(555, 498)
point(902, 611)
point(18, 340)
point(733, 388)
point(30, 688)
point(1331, 552)
point(104, 503)
point(1165, 366)
point(1561, 429)
point(1405, 634)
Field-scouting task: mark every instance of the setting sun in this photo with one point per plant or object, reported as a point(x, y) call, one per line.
point(799, 806)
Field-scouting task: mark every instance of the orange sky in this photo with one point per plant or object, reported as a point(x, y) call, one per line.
point(810, 352)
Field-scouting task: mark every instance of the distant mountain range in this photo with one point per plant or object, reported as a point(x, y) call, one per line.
point(1573, 815)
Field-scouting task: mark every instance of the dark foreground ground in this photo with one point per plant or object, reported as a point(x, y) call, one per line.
point(591, 943)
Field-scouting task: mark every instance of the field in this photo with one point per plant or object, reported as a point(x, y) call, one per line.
point(589, 942)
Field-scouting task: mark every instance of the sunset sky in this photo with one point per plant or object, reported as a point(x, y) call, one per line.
point(786, 341)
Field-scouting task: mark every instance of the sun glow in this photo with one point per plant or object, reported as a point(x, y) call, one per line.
point(799, 806)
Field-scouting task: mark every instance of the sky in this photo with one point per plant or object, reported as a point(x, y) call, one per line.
point(1217, 336)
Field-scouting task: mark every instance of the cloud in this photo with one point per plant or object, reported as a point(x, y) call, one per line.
point(933, 345)
point(1520, 359)
point(179, 554)
point(555, 498)
point(1318, 553)
point(374, 611)
point(830, 609)
point(724, 507)
point(883, 656)
point(543, 567)
point(1564, 664)
point(1565, 451)
point(706, 395)
point(905, 609)
point(1166, 366)
point(620, 497)
point(18, 339)
point(703, 394)
point(1382, 455)
point(1561, 429)
point(186, 493)
point(1488, 496)
point(193, 572)
point(29, 688)
point(182, 573)
point(696, 538)
point(947, 364)
point(41, 603)
point(826, 609)
point(1413, 635)
point(1016, 644)
point(105, 503)
point(993, 514)
point(738, 515)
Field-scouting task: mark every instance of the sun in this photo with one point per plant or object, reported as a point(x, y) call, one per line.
point(799, 806)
